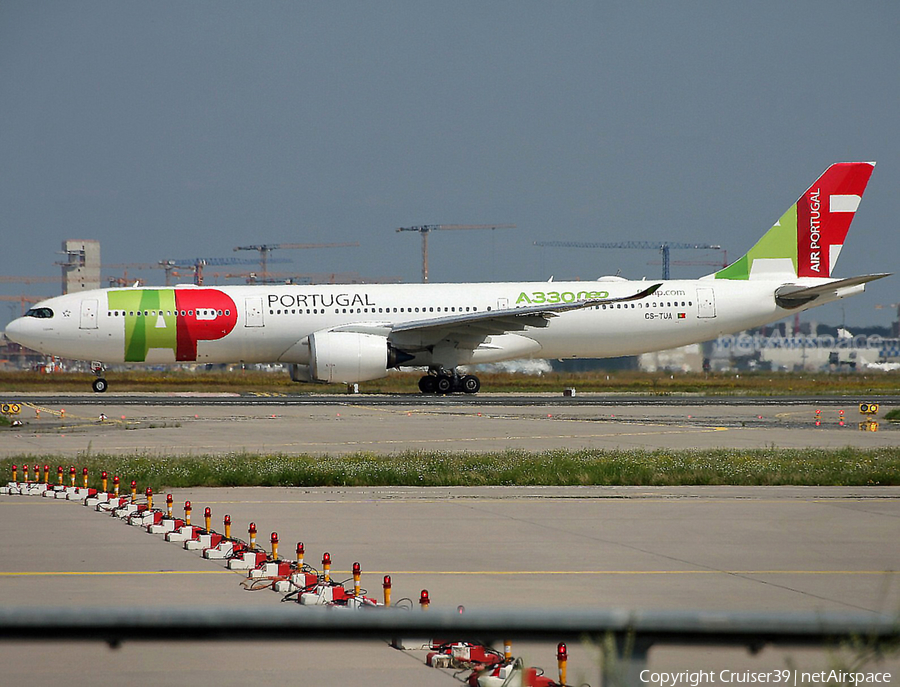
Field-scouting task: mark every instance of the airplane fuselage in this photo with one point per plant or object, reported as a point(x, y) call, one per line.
point(267, 324)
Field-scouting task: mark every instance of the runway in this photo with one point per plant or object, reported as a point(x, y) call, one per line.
point(336, 425)
point(714, 548)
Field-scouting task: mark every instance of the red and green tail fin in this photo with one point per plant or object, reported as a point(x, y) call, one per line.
point(808, 238)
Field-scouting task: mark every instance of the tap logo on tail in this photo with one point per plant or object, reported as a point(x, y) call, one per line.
point(807, 240)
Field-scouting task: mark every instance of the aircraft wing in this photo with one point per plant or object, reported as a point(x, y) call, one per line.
point(473, 327)
point(510, 319)
point(793, 296)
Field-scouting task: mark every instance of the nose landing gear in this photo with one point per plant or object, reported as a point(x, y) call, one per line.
point(99, 385)
point(442, 382)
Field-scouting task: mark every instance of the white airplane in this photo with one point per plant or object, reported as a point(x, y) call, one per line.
point(348, 334)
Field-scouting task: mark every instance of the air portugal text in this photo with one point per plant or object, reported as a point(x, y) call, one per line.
point(815, 215)
point(541, 297)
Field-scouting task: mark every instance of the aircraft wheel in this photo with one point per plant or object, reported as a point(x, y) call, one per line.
point(99, 385)
point(428, 384)
point(444, 384)
point(471, 384)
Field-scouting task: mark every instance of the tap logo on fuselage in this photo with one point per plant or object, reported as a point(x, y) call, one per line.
point(172, 318)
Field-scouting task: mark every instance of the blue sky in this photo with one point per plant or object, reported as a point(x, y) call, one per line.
point(179, 129)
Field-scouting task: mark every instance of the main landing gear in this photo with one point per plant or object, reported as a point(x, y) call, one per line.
point(99, 385)
point(448, 383)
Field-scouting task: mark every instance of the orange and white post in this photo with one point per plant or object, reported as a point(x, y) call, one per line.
point(326, 567)
point(562, 657)
point(357, 573)
point(387, 590)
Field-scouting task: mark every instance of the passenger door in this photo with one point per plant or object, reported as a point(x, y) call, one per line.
point(706, 303)
point(88, 314)
point(253, 311)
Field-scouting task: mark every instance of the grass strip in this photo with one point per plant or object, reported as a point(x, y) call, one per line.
point(774, 466)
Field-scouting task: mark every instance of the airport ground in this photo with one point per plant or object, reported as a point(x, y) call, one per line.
point(182, 423)
point(714, 548)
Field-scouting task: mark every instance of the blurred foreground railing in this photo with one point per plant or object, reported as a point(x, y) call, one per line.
point(630, 634)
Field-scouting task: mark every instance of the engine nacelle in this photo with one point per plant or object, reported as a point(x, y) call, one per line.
point(348, 357)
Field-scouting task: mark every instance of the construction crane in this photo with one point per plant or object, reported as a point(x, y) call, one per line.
point(426, 229)
point(220, 262)
point(317, 278)
point(196, 265)
point(723, 263)
point(23, 300)
point(291, 278)
point(266, 248)
point(28, 280)
point(662, 246)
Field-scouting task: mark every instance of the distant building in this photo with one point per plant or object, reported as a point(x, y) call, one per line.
point(684, 359)
point(804, 351)
point(81, 265)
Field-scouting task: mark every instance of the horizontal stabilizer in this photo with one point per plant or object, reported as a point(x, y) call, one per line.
point(793, 296)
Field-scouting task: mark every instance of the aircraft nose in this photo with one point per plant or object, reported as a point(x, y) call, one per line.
point(18, 331)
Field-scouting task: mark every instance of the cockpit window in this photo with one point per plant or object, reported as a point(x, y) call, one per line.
point(40, 313)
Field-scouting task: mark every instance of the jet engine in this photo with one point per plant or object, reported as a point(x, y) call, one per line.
point(348, 357)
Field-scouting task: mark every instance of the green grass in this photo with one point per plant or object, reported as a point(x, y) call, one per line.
point(842, 467)
point(656, 383)
point(893, 415)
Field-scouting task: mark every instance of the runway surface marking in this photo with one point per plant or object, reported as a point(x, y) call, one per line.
point(687, 499)
point(91, 573)
point(468, 573)
point(308, 445)
point(531, 437)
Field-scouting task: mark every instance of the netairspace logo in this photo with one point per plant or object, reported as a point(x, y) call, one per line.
point(685, 678)
point(771, 677)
